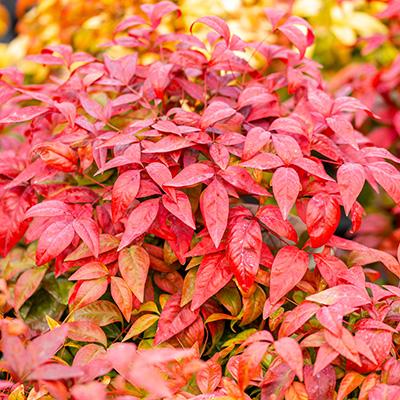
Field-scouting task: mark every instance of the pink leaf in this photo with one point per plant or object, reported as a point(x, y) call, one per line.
point(351, 178)
point(348, 295)
point(55, 372)
point(263, 161)
point(215, 112)
point(23, 114)
point(290, 351)
point(216, 23)
point(49, 208)
point(286, 187)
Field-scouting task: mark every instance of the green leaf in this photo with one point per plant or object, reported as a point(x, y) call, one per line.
point(101, 312)
point(230, 298)
point(59, 288)
point(38, 307)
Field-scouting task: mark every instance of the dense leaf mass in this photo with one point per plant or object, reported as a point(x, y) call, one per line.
point(168, 222)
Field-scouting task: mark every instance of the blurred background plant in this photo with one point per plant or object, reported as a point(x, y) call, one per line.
point(85, 25)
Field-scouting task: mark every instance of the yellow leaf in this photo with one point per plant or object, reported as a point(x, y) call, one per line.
point(52, 323)
point(17, 394)
point(140, 325)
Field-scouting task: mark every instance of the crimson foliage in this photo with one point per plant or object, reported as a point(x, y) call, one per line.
point(190, 205)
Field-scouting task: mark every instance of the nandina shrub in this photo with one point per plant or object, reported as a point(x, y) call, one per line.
point(187, 207)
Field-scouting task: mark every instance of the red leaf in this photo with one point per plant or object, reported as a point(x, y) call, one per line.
point(296, 318)
point(167, 144)
point(312, 167)
point(322, 218)
point(290, 351)
point(290, 29)
point(326, 354)
point(351, 178)
point(100, 312)
point(213, 274)
point(159, 173)
point(330, 267)
point(241, 179)
point(220, 155)
point(366, 255)
point(181, 208)
point(343, 128)
point(86, 331)
point(174, 319)
point(139, 221)
point(159, 76)
point(244, 249)
point(55, 239)
point(86, 292)
point(271, 218)
point(124, 191)
point(287, 270)
point(159, 10)
point(45, 346)
point(93, 108)
point(134, 264)
point(214, 205)
point(331, 318)
point(191, 175)
point(13, 205)
point(286, 187)
point(57, 155)
point(277, 380)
